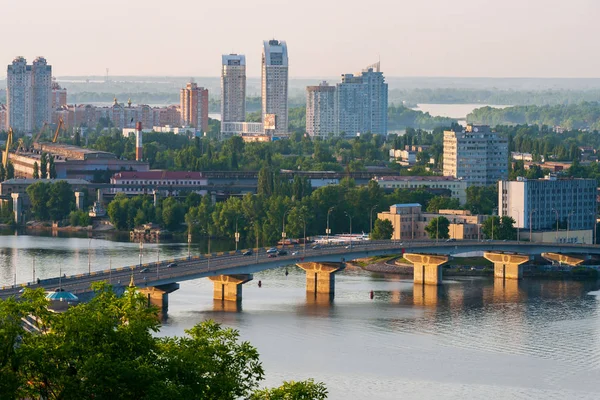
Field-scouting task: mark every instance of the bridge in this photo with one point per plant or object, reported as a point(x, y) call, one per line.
point(230, 270)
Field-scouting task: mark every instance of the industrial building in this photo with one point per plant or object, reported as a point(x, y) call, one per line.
point(72, 162)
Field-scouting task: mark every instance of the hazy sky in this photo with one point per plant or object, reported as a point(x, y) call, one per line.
point(473, 38)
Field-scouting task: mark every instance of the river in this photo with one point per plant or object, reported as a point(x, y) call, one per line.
point(470, 338)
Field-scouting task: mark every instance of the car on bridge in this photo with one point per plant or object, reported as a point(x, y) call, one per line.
point(144, 270)
point(247, 253)
point(272, 250)
point(272, 255)
point(316, 247)
point(282, 252)
point(172, 265)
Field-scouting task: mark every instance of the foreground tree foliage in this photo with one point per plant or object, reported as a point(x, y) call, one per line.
point(108, 349)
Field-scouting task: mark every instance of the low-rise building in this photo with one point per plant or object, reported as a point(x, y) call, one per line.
point(457, 187)
point(409, 222)
point(165, 182)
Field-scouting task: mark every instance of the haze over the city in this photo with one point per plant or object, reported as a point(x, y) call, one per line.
point(463, 38)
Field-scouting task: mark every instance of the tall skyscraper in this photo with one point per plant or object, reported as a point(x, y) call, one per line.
point(194, 106)
point(233, 88)
point(274, 87)
point(29, 94)
point(362, 102)
point(477, 155)
point(320, 110)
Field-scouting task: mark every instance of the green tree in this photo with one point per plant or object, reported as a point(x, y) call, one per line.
point(442, 203)
point(51, 168)
point(482, 199)
point(39, 194)
point(10, 170)
point(108, 348)
point(173, 213)
point(502, 228)
point(382, 230)
point(2, 173)
point(44, 165)
point(306, 390)
point(438, 228)
point(61, 200)
point(265, 181)
point(36, 171)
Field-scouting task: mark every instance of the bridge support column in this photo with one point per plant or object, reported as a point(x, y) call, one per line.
point(229, 287)
point(427, 268)
point(159, 295)
point(566, 259)
point(320, 277)
point(79, 196)
point(17, 207)
point(507, 266)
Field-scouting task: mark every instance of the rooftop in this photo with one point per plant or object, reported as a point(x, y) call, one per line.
point(406, 205)
point(29, 181)
point(396, 178)
point(158, 174)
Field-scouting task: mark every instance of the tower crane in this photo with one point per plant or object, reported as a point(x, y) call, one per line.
point(9, 141)
point(61, 125)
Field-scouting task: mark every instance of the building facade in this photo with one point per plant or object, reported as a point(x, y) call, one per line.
point(457, 187)
point(538, 204)
point(476, 155)
point(362, 102)
point(409, 222)
point(3, 115)
point(194, 107)
point(274, 87)
point(233, 88)
point(320, 110)
point(29, 94)
point(165, 182)
point(59, 96)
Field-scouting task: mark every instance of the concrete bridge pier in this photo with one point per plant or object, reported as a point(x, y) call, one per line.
point(320, 276)
point(79, 197)
point(427, 268)
point(17, 207)
point(567, 259)
point(159, 295)
point(507, 266)
point(229, 287)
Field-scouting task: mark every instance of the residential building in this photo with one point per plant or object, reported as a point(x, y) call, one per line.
point(362, 102)
point(3, 116)
point(409, 222)
point(320, 110)
point(233, 88)
point(242, 129)
point(521, 156)
point(549, 203)
point(274, 87)
point(457, 187)
point(19, 95)
point(166, 182)
point(59, 96)
point(42, 92)
point(194, 107)
point(477, 155)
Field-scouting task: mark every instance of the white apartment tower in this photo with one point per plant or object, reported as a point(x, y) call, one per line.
point(29, 94)
point(233, 88)
point(320, 110)
point(274, 87)
point(476, 155)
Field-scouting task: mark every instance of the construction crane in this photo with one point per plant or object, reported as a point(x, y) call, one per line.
point(40, 133)
point(9, 141)
point(61, 124)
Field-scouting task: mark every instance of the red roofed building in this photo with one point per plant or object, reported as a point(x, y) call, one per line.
point(457, 187)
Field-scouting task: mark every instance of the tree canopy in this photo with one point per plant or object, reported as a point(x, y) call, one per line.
point(107, 349)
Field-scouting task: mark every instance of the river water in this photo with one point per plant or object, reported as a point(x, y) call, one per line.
point(470, 338)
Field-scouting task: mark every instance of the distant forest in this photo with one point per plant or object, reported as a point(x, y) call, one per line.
point(585, 115)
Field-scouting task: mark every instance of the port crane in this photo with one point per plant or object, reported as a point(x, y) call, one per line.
point(60, 126)
point(9, 142)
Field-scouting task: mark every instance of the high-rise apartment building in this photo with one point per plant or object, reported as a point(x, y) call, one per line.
point(194, 107)
point(274, 87)
point(320, 110)
point(29, 94)
point(476, 155)
point(233, 88)
point(362, 102)
point(538, 204)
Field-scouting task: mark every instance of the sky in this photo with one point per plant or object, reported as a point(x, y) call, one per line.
point(457, 38)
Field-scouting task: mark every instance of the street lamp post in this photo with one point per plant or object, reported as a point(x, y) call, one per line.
point(437, 229)
point(371, 219)
point(283, 228)
point(33, 268)
point(594, 228)
point(237, 234)
point(531, 225)
point(141, 251)
point(89, 257)
point(492, 228)
point(350, 218)
point(157, 260)
point(568, 224)
point(189, 244)
point(518, 219)
point(556, 211)
point(304, 243)
point(328, 231)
